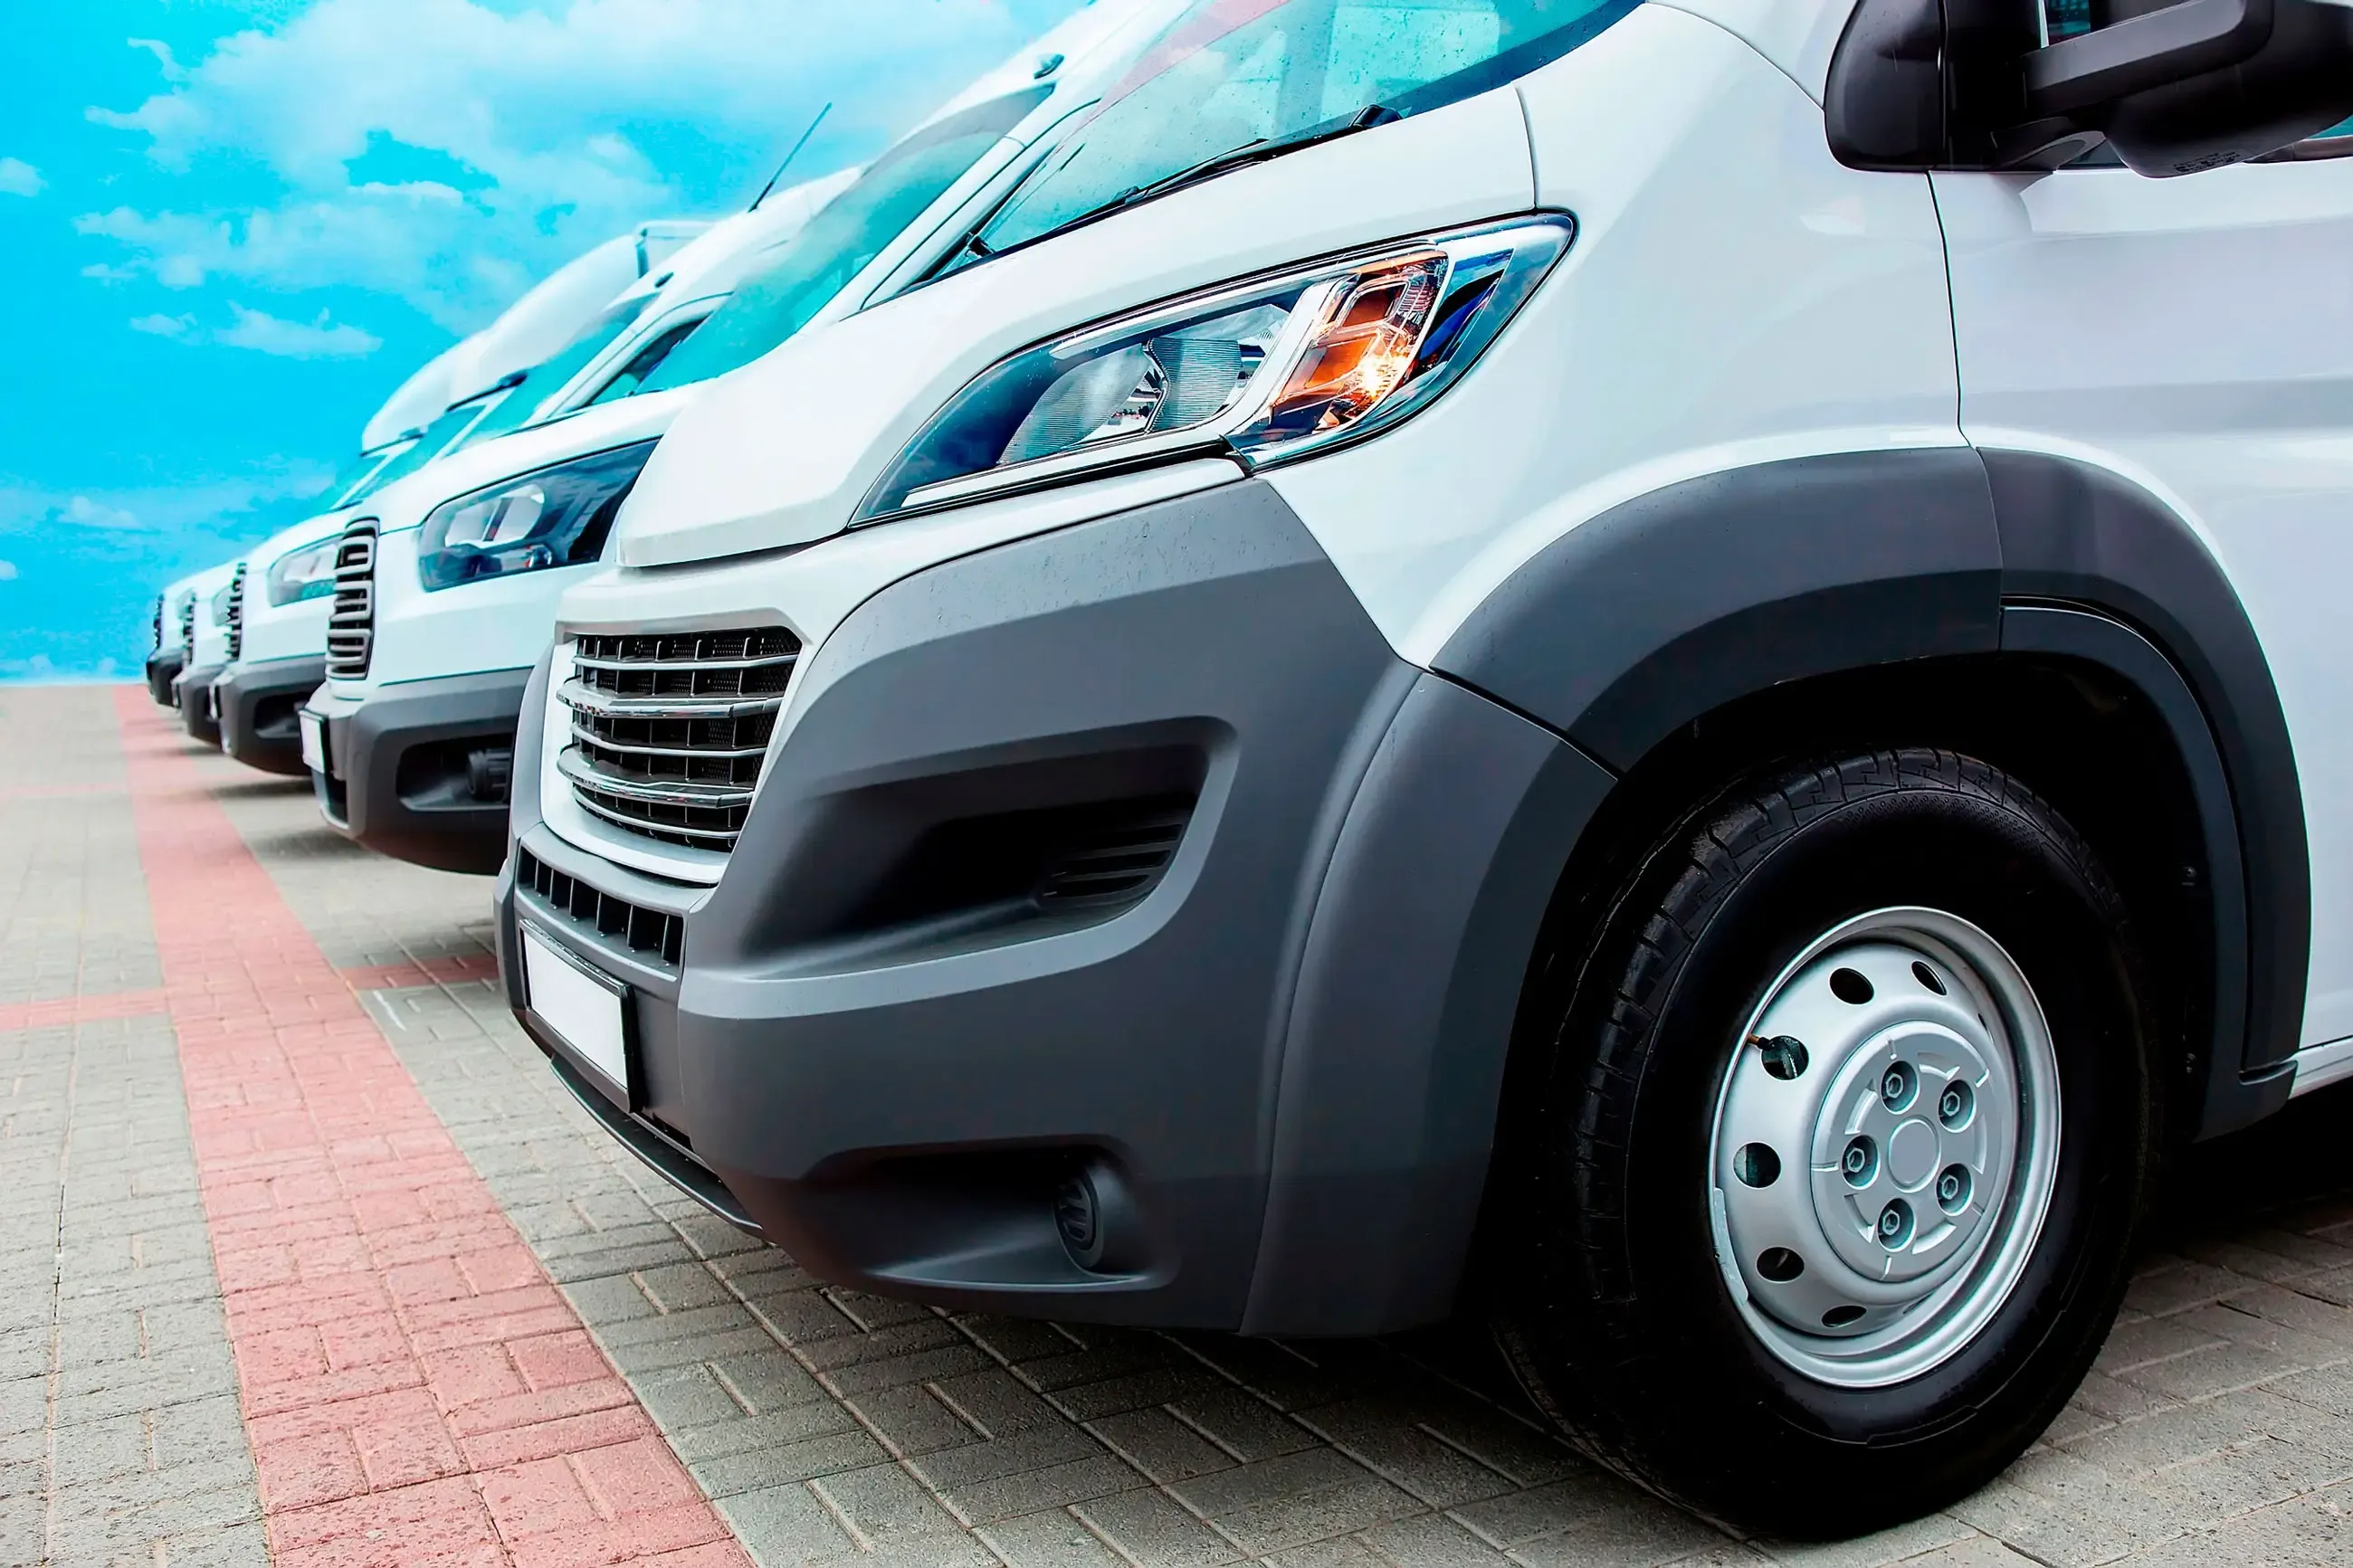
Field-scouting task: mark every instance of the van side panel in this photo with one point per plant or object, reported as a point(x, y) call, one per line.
point(2078, 533)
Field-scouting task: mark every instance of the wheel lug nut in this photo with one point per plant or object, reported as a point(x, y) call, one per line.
point(1953, 1107)
point(1953, 1189)
point(1897, 1086)
point(1860, 1162)
point(1895, 1225)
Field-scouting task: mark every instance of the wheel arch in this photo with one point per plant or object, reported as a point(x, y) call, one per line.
point(1586, 702)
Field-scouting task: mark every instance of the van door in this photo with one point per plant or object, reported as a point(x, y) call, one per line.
point(2196, 336)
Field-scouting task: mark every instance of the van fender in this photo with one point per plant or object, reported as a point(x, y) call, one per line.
point(1608, 642)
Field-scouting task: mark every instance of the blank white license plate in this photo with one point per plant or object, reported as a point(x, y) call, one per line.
point(585, 1010)
point(314, 743)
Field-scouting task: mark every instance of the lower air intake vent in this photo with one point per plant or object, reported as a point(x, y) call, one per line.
point(669, 730)
point(654, 935)
point(1116, 860)
point(351, 621)
point(236, 616)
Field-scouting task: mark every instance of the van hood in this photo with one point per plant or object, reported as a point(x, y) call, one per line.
point(406, 502)
point(783, 451)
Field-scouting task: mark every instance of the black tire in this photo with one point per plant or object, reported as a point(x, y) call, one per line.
point(1621, 1325)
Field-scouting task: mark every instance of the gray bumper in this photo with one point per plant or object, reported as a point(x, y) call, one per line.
point(192, 694)
point(419, 772)
point(163, 668)
point(884, 1049)
point(258, 707)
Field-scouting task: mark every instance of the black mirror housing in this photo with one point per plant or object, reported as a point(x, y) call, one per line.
point(2297, 82)
point(2176, 87)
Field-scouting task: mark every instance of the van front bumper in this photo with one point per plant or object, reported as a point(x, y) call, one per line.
point(257, 707)
point(163, 668)
point(420, 770)
point(192, 694)
point(1277, 1058)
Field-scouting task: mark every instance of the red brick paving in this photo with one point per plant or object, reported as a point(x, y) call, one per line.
point(417, 1393)
point(416, 972)
point(80, 1009)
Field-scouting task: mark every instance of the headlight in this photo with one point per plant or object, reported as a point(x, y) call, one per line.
point(305, 573)
point(556, 517)
point(1264, 372)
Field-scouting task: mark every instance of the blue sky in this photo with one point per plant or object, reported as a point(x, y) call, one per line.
point(233, 227)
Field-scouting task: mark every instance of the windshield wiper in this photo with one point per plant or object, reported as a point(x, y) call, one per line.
point(1257, 152)
point(1209, 168)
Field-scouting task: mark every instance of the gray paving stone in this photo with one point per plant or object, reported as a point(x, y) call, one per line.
point(2220, 1421)
point(119, 1438)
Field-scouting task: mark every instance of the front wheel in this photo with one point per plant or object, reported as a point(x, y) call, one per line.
point(1845, 1128)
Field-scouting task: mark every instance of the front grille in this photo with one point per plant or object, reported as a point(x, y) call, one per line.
point(653, 933)
point(669, 729)
point(236, 616)
point(351, 620)
point(188, 630)
point(159, 623)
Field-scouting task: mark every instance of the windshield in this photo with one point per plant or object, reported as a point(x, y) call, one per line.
point(551, 374)
point(1229, 75)
point(355, 473)
point(631, 378)
point(802, 273)
point(438, 437)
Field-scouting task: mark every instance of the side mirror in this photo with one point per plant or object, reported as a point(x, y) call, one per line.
point(2175, 87)
point(2255, 89)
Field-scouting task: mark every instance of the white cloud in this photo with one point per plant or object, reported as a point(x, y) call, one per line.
point(18, 178)
point(84, 513)
point(200, 507)
point(167, 64)
point(296, 340)
point(531, 109)
point(266, 333)
point(7, 572)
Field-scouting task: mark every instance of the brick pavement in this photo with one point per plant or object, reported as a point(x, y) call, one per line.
point(829, 1426)
point(414, 1389)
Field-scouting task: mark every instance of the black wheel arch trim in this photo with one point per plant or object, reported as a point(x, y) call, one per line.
point(1670, 605)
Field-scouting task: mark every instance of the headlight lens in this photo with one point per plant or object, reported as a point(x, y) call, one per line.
point(305, 573)
point(1265, 372)
point(556, 517)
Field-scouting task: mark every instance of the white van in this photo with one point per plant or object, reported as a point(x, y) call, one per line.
point(440, 674)
point(167, 654)
point(451, 580)
point(278, 632)
point(204, 648)
point(1675, 670)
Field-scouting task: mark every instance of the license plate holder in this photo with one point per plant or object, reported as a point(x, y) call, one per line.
point(314, 744)
point(587, 1013)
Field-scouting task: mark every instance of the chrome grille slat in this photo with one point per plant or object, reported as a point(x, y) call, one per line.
point(188, 629)
point(236, 613)
point(783, 661)
point(579, 697)
point(584, 771)
point(350, 618)
point(669, 729)
point(692, 838)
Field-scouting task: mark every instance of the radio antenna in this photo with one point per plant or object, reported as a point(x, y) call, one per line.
point(791, 156)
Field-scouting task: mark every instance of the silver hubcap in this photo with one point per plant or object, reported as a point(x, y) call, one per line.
point(1885, 1144)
